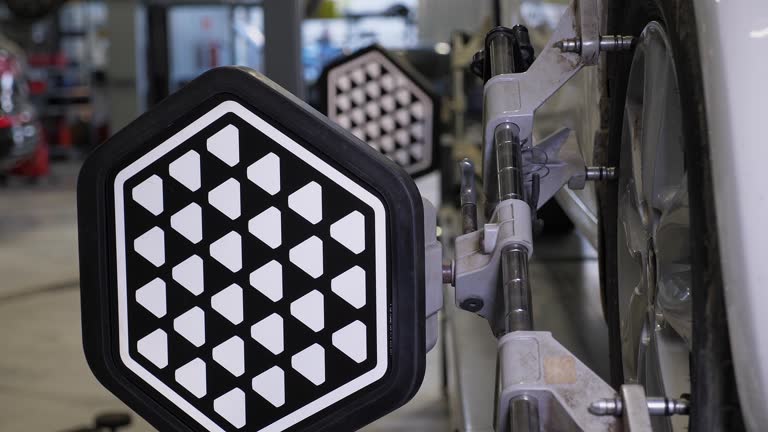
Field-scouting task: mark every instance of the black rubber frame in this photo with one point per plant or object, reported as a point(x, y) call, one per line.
point(386, 180)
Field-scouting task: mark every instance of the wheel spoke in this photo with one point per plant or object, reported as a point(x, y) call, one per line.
point(668, 373)
point(632, 329)
point(673, 254)
point(662, 138)
point(654, 115)
point(635, 234)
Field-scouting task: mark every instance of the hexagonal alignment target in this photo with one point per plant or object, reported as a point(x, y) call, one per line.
point(238, 264)
point(383, 101)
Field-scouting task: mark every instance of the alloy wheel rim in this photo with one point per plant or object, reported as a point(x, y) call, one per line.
point(654, 283)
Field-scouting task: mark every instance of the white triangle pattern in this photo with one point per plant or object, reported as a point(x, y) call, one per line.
point(225, 145)
point(351, 341)
point(192, 376)
point(268, 280)
point(269, 333)
point(186, 170)
point(350, 231)
point(266, 226)
point(308, 202)
point(310, 363)
point(231, 406)
point(154, 347)
point(308, 256)
point(191, 325)
point(152, 297)
point(270, 385)
point(189, 274)
point(149, 194)
point(350, 286)
point(226, 198)
point(310, 310)
point(265, 173)
point(189, 222)
point(231, 355)
point(227, 250)
point(229, 303)
point(151, 245)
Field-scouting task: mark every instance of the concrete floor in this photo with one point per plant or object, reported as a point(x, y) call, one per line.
point(45, 384)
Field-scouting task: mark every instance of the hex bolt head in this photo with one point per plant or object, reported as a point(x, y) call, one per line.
point(472, 304)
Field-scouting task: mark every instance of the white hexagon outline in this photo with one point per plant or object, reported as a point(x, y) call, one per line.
point(380, 251)
point(376, 56)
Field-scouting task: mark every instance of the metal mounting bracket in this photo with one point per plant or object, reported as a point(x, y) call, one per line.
point(533, 365)
point(514, 98)
point(555, 167)
point(477, 256)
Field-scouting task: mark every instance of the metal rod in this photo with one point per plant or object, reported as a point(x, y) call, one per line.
point(468, 196)
point(524, 414)
point(597, 173)
point(607, 43)
point(514, 259)
point(509, 162)
point(501, 58)
point(657, 406)
point(447, 272)
point(517, 289)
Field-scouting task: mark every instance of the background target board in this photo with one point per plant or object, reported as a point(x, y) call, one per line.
point(251, 287)
point(385, 103)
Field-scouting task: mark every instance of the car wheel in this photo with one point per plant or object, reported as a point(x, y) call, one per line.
point(659, 259)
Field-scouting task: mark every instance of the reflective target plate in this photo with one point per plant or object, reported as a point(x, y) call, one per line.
point(385, 103)
point(243, 268)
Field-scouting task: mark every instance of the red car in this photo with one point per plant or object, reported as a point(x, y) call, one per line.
point(22, 149)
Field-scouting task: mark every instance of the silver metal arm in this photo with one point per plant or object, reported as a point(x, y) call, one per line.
point(540, 384)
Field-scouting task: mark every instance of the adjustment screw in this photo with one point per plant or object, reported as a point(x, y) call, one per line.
point(472, 304)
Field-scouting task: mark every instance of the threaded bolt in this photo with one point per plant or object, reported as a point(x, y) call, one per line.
point(657, 406)
point(598, 173)
point(616, 43)
point(569, 45)
point(607, 43)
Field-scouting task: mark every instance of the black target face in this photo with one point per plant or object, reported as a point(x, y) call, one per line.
point(386, 104)
point(249, 283)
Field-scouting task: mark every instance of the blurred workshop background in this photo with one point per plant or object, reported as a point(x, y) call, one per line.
point(74, 72)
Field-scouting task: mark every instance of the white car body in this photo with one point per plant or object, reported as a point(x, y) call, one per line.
point(733, 44)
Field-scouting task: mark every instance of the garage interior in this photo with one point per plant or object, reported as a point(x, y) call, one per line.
point(93, 66)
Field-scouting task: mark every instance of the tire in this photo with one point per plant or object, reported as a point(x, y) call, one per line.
point(714, 401)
